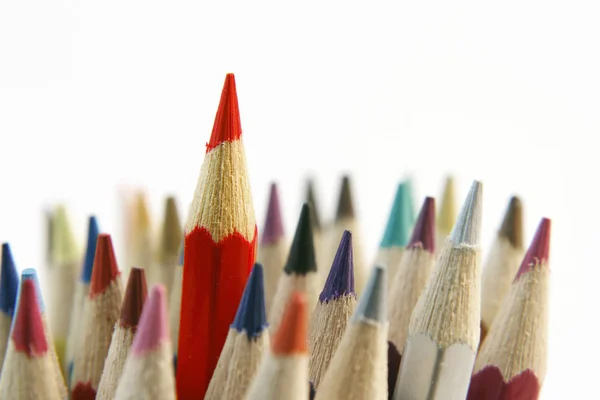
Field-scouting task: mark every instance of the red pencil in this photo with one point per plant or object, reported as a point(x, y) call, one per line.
point(220, 248)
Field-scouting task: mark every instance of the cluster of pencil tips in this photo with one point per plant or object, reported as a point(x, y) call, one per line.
point(424, 321)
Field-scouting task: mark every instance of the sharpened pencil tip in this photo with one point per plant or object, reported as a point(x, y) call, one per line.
point(64, 247)
point(301, 259)
point(30, 274)
point(291, 338)
point(181, 255)
point(512, 224)
point(340, 281)
point(9, 282)
point(372, 303)
point(401, 219)
point(171, 230)
point(90, 251)
point(152, 328)
point(251, 316)
point(447, 213)
point(311, 199)
point(28, 331)
point(424, 231)
point(133, 300)
point(345, 208)
point(273, 229)
point(539, 249)
point(227, 126)
point(468, 224)
point(105, 269)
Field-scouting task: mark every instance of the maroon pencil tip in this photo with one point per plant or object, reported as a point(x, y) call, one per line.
point(28, 331)
point(227, 126)
point(274, 222)
point(539, 249)
point(424, 231)
point(133, 301)
point(105, 266)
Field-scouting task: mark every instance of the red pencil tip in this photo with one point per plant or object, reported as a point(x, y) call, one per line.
point(105, 266)
point(133, 301)
point(227, 126)
point(424, 231)
point(539, 249)
point(28, 331)
point(291, 336)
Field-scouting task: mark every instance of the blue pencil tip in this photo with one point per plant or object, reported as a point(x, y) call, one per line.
point(9, 282)
point(181, 255)
point(251, 315)
point(401, 219)
point(340, 281)
point(90, 251)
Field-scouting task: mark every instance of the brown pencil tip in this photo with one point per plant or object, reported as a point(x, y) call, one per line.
point(105, 268)
point(424, 231)
point(227, 126)
point(291, 337)
point(133, 301)
point(539, 249)
point(512, 224)
point(345, 207)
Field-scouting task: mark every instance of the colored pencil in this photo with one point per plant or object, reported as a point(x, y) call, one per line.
point(29, 274)
point(9, 284)
point(148, 372)
point(273, 247)
point(170, 244)
point(319, 233)
point(300, 271)
point(345, 220)
point(62, 275)
point(100, 314)
point(246, 343)
point(122, 337)
point(511, 364)
point(446, 215)
point(502, 264)
point(336, 305)
point(141, 251)
point(410, 280)
point(283, 374)
point(175, 306)
point(443, 333)
point(27, 373)
point(358, 369)
point(49, 231)
point(220, 249)
point(82, 288)
point(397, 231)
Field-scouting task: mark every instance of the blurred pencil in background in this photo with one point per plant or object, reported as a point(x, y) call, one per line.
point(9, 285)
point(446, 215)
point(170, 244)
point(175, 306)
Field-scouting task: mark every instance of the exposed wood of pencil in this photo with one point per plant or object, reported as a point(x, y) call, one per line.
point(247, 341)
point(170, 244)
point(359, 368)
point(122, 337)
point(300, 271)
point(502, 263)
point(511, 364)
point(100, 314)
point(220, 249)
point(148, 372)
point(443, 333)
point(335, 306)
point(9, 285)
point(273, 247)
point(175, 305)
point(446, 215)
point(27, 372)
point(283, 374)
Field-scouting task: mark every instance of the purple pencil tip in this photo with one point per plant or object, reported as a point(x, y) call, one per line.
point(424, 231)
point(273, 228)
point(152, 328)
point(340, 281)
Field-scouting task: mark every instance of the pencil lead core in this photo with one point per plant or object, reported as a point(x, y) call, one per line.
point(90, 251)
point(251, 316)
point(105, 266)
point(273, 229)
point(133, 300)
point(9, 282)
point(301, 259)
point(64, 247)
point(28, 332)
point(291, 338)
point(340, 281)
point(227, 126)
point(312, 201)
point(401, 219)
point(171, 235)
point(152, 327)
point(345, 207)
point(30, 274)
point(468, 224)
point(539, 249)
point(372, 303)
point(512, 224)
point(424, 231)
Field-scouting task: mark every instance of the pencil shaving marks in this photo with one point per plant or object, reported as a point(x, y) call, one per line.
point(222, 201)
point(245, 361)
point(115, 362)
point(281, 378)
point(518, 339)
point(448, 311)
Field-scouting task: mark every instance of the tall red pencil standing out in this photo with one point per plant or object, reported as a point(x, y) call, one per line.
point(220, 248)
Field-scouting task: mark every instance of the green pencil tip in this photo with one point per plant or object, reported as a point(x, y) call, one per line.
point(402, 218)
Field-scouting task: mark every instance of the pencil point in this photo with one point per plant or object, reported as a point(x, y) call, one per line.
point(152, 328)
point(30, 274)
point(291, 337)
point(28, 332)
point(312, 202)
point(468, 224)
point(447, 214)
point(539, 249)
point(251, 316)
point(301, 259)
point(512, 224)
point(273, 229)
point(181, 255)
point(172, 233)
point(227, 126)
point(340, 281)
point(64, 248)
point(90, 251)
point(401, 219)
point(345, 208)
point(133, 300)
point(105, 268)
point(424, 231)
point(371, 304)
point(9, 282)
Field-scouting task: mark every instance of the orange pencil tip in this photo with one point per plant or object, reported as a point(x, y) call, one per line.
point(292, 334)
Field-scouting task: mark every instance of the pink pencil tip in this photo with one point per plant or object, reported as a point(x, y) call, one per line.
point(28, 331)
point(424, 231)
point(152, 328)
point(539, 249)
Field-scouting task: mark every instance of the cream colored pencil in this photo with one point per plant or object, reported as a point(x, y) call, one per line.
point(446, 215)
point(9, 285)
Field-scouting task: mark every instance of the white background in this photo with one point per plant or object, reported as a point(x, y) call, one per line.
point(97, 94)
